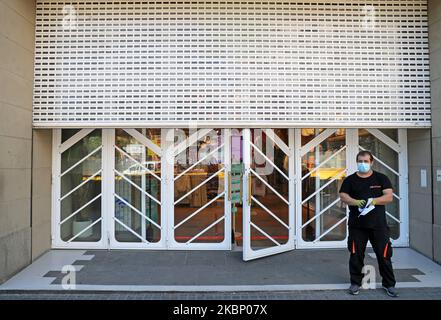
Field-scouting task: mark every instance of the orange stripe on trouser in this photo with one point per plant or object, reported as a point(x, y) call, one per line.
point(385, 250)
point(353, 246)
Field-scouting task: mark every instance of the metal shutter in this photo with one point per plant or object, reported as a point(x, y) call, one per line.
point(231, 63)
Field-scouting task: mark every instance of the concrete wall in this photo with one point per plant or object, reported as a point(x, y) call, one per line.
point(435, 66)
point(17, 24)
point(420, 198)
point(41, 192)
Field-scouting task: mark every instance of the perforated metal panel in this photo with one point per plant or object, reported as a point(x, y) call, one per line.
point(232, 63)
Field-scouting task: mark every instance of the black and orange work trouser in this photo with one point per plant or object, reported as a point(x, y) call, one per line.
point(380, 241)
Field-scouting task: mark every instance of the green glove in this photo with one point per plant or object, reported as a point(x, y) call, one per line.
point(360, 203)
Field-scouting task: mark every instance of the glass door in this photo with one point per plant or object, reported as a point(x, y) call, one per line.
point(78, 220)
point(324, 158)
point(197, 189)
point(268, 197)
point(322, 166)
point(137, 219)
point(175, 188)
point(389, 147)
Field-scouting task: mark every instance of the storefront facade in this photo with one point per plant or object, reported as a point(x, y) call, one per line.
point(139, 189)
point(154, 106)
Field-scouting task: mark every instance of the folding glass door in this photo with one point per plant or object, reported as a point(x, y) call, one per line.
point(268, 198)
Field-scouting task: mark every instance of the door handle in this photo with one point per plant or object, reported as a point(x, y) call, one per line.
point(249, 189)
point(240, 190)
point(229, 186)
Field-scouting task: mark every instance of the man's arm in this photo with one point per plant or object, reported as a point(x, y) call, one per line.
point(346, 198)
point(386, 198)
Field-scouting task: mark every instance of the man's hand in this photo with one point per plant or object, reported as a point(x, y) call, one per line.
point(360, 203)
point(386, 198)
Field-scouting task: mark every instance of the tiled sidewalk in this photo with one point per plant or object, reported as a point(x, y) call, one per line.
point(378, 294)
point(297, 273)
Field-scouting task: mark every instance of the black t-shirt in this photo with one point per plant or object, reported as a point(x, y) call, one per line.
point(365, 188)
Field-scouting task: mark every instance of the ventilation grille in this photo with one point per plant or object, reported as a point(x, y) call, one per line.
point(232, 63)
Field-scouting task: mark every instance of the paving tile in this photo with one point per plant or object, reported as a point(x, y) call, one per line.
point(305, 268)
point(217, 268)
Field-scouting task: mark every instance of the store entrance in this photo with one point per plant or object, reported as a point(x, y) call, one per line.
point(197, 189)
point(181, 189)
point(264, 221)
point(215, 189)
point(233, 189)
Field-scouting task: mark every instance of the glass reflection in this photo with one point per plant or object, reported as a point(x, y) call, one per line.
point(269, 189)
point(323, 167)
point(80, 185)
point(199, 188)
point(137, 188)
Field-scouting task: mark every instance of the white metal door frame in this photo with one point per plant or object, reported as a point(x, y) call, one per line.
point(301, 151)
point(58, 147)
point(167, 240)
point(400, 147)
point(172, 151)
point(352, 148)
point(403, 168)
point(144, 244)
point(248, 252)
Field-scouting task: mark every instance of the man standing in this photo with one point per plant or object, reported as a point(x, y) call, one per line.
point(366, 192)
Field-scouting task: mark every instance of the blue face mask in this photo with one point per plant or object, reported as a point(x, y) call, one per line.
point(363, 167)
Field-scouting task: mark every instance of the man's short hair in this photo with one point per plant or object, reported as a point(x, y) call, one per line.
point(365, 153)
